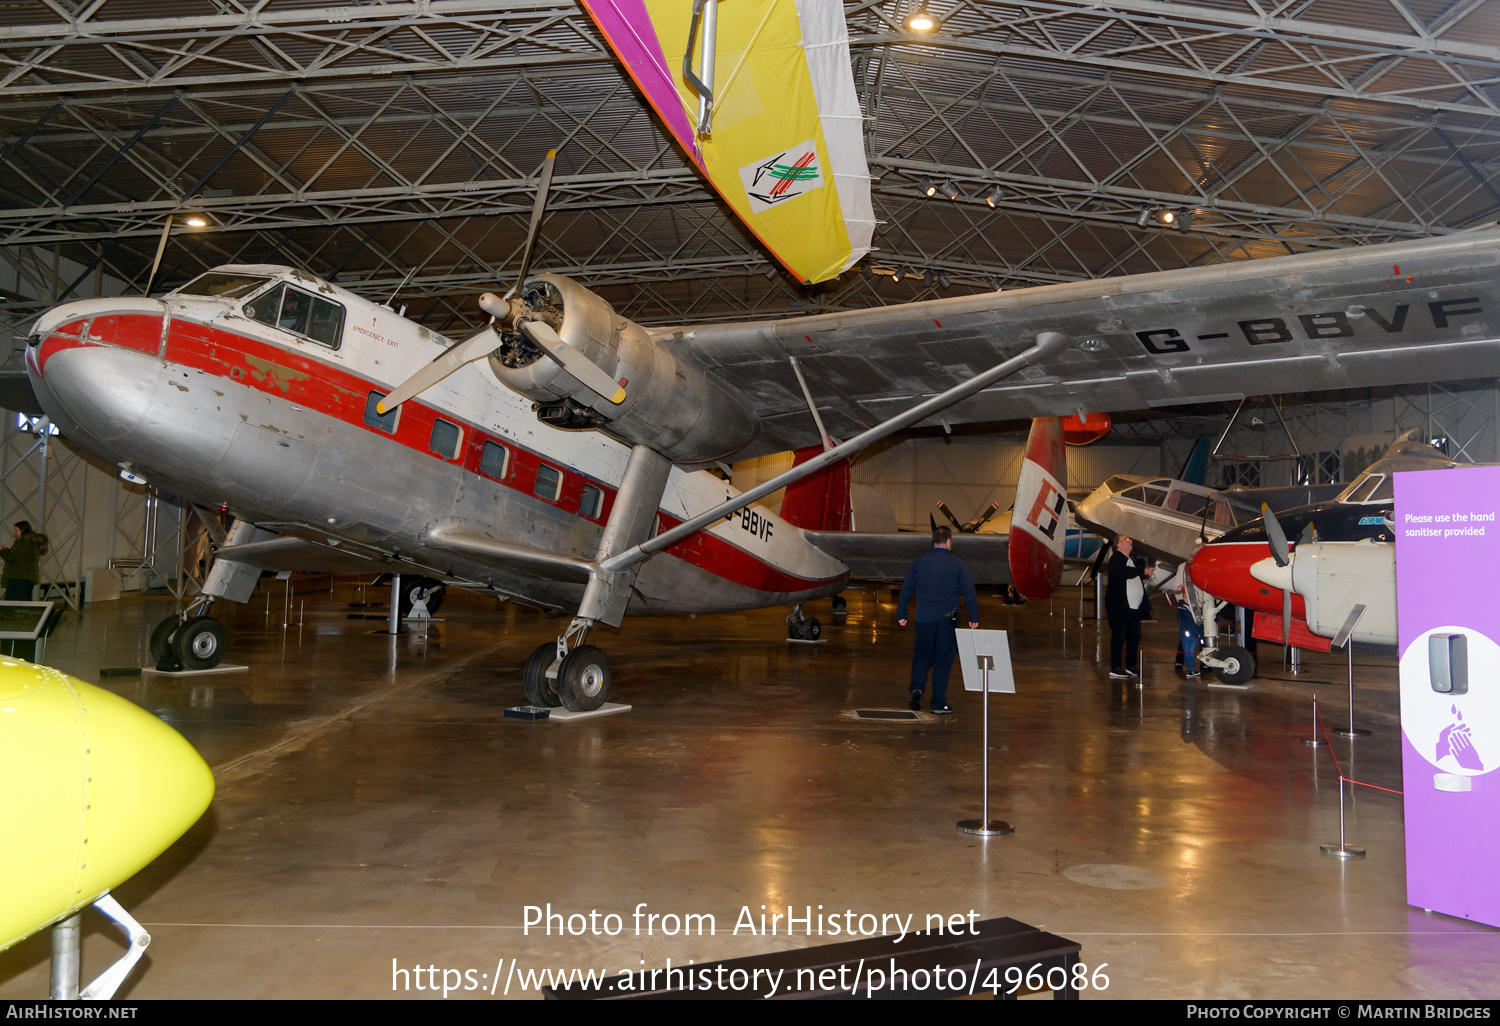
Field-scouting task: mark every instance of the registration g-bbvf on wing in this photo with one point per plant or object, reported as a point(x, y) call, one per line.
point(553, 458)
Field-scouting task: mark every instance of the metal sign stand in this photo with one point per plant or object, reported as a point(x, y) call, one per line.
point(1343, 638)
point(978, 652)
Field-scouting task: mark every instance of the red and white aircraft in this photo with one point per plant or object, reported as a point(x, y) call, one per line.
point(567, 470)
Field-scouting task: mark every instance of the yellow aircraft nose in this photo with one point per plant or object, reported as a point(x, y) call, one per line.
point(92, 788)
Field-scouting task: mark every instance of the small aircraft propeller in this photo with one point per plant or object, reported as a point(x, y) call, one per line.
point(945, 511)
point(507, 312)
point(1282, 553)
point(974, 525)
point(537, 207)
point(572, 361)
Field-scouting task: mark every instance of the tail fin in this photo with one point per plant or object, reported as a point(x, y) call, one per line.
point(1039, 526)
point(819, 502)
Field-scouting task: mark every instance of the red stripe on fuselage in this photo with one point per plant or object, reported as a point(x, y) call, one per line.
point(328, 389)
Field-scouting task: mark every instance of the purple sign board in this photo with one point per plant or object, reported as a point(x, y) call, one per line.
point(1447, 574)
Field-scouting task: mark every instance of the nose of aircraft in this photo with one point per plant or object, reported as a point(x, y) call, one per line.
point(1223, 570)
point(92, 788)
point(103, 392)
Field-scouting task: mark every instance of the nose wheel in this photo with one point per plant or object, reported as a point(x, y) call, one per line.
point(575, 678)
point(194, 643)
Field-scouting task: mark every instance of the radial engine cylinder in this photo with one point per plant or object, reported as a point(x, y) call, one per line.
point(671, 403)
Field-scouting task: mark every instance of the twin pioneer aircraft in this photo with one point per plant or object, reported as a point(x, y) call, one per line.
point(568, 469)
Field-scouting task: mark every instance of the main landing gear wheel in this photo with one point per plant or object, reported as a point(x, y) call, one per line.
point(161, 639)
point(1239, 665)
point(199, 643)
point(540, 689)
point(583, 679)
point(413, 588)
point(840, 605)
point(808, 630)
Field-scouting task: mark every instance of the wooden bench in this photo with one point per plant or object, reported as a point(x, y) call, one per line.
point(946, 966)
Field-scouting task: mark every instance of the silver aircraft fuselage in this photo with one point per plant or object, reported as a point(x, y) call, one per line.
point(278, 427)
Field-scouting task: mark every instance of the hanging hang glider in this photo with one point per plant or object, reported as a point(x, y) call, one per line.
point(760, 96)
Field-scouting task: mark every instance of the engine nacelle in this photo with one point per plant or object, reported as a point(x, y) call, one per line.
point(671, 403)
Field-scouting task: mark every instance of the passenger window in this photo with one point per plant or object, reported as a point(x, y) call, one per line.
point(444, 439)
point(380, 421)
point(591, 502)
point(494, 459)
point(548, 483)
point(291, 309)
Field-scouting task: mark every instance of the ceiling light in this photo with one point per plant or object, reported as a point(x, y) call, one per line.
point(943, 279)
point(996, 284)
point(1185, 220)
point(993, 197)
point(949, 189)
point(1167, 216)
point(922, 20)
point(899, 272)
point(771, 271)
point(1143, 217)
point(928, 189)
point(197, 221)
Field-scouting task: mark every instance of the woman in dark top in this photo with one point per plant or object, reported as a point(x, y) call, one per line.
point(23, 563)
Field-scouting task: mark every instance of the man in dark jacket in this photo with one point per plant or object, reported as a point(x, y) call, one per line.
point(939, 579)
point(23, 563)
point(1125, 603)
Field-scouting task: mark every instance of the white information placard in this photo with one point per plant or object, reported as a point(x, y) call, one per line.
point(996, 645)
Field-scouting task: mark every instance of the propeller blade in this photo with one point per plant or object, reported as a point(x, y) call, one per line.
point(572, 361)
point(448, 361)
point(945, 511)
point(1286, 623)
point(1309, 535)
point(1276, 536)
point(983, 518)
point(537, 207)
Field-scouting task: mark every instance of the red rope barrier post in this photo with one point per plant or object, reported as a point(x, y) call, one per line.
point(1314, 741)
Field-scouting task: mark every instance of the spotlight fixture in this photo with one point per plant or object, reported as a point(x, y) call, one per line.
point(943, 279)
point(949, 189)
point(1167, 217)
point(922, 20)
point(997, 284)
point(928, 189)
point(899, 272)
point(770, 271)
point(1143, 217)
point(993, 197)
point(1185, 220)
point(197, 221)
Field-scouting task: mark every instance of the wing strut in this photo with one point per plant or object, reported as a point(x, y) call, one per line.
point(818, 420)
point(1047, 344)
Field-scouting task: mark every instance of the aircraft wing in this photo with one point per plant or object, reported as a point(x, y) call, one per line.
point(1407, 312)
point(886, 557)
point(291, 553)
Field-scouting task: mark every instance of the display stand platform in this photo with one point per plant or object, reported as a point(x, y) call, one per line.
point(804, 641)
point(221, 668)
point(535, 712)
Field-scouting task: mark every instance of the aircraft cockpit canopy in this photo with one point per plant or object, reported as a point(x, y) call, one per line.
point(292, 309)
point(1181, 497)
point(1369, 488)
point(222, 285)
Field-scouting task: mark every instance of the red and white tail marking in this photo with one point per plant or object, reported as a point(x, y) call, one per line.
point(1039, 526)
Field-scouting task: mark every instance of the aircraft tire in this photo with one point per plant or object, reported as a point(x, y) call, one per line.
point(812, 630)
point(411, 587)
point(583, 679)
point(161, 639)
point(840, 605)
point(200, 643)
point(540, 690)
point(1239, 665)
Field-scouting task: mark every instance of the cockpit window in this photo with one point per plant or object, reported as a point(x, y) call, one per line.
point(291, 309)
point(223, 285)
point(1369, 488)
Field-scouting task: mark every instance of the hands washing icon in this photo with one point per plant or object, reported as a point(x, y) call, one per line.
point(1457, 740)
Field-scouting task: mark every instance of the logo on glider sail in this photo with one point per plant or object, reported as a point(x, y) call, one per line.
point(781, 177)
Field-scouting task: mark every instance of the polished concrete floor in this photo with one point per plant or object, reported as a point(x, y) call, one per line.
point(374, 805)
